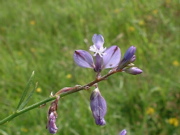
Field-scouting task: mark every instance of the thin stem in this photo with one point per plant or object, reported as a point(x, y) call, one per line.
point(63, 92)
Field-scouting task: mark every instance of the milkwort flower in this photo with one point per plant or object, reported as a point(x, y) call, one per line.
point(98, 107)
point(103, 58)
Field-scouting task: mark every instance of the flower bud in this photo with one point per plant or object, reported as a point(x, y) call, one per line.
point(128, 58)
point(133, 70)
point(133, 59)
point(98, 107)
point(52, 123)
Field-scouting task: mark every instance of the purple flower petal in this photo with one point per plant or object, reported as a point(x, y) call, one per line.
point(83, 59)
point(111, 57)
point(133, 70)
point(98, 63)
point(123, 132)
point(98, 40)
point(98, 107)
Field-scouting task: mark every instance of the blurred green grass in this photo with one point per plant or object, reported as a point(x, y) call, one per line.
point(42, 35)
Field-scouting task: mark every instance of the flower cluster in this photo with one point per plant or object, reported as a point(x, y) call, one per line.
point(103, 58)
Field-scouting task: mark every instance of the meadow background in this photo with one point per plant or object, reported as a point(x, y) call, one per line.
point(42, 35)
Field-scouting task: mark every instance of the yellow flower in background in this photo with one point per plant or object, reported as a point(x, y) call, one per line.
point(168, 1)
point(155, 11)
point(141, 23)
point(175, 63)
point(20, 53)
point(32, 22)
point(131, 29)
point(117, 11)
point(82, 20)
point(39, 90)
point(150, 111)
point(68, 76)
point(173, 121)
point(24, 129)
point(33, 50)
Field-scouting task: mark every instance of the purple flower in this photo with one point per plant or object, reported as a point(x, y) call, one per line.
point(103, 58)
point(123, 132)
point(98, 107)
point(52, 123)
point(133, 70)
point(129, 57)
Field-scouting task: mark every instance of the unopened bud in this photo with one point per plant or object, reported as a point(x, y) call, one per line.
point(51, 125)
point(98, 107)
point(133, 70)
point(128, 58)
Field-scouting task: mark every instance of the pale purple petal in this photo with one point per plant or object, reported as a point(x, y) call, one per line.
point(133, 70)
point(111, 57)
point(98, 107)
point(83, 59)
point(123, 132)
point(98, 40)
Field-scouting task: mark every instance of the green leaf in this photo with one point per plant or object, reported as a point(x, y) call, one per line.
point(27, 93)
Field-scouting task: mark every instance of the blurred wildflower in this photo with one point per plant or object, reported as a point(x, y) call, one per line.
point(149, 18)
point(131, 29)
point(155, 11)
point(32, 22)
point(82, 21)
point(117, 10)
point(168, 1)
point(98, 107)
point(123, 132)
point(175, 63)
point(24, 129)
point(68, 76)
point(20, 53)
point(33, 50)
point(150, 111)
point(39, 90)
point(173, 121)
point(141, 23)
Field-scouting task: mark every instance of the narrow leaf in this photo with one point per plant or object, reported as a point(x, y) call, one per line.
point(25, 92)
point(29, 95)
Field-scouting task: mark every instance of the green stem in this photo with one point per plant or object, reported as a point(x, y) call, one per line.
point(63, 92)
point(17, 113)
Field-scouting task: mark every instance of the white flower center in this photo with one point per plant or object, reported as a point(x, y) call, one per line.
point(96, 51)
